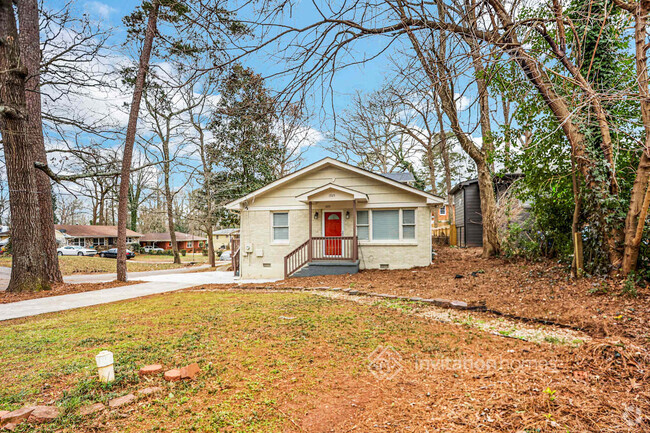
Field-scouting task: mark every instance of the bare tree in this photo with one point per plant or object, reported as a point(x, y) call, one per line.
point(122, 213)
point(294, 135)
point(367, 134)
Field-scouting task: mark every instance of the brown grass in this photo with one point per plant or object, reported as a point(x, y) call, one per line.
point(284, 362)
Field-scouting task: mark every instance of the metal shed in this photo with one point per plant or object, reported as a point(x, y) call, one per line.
point(469, 221)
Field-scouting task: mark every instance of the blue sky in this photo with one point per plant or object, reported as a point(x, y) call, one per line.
point(365, 77)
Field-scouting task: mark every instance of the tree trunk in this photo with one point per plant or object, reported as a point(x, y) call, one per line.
point(170, 214)
point(638, 210)
point(211, 256)
point(576, 234)
point(30, 50)
point(28, 264)
point(125, 175)
point(491, 244)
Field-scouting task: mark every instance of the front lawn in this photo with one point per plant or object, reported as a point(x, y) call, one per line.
point(274, 362)
point(162, 258)
point(91, 265)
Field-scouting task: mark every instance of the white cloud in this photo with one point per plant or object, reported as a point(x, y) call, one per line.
point(462, 102)
point(99, 10)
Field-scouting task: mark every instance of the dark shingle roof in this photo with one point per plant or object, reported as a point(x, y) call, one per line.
point(402, 176)
point(80, 231)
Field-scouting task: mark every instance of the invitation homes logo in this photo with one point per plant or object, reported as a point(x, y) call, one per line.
point(385, 363)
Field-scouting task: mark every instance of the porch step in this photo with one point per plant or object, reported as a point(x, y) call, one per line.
point(334, 267)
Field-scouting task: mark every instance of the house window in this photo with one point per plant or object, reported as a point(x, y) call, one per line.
point(280, 226)
point(443, 210)
point(385, 225)
point(408, 224)
point(99, 241)
point(188, 244)
point(363, 225)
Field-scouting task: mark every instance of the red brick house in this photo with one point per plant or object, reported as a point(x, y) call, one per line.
point(100, 237)
point(185, 241)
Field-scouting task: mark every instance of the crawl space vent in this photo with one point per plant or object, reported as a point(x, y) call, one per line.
point(266, 265)
point(383, 266)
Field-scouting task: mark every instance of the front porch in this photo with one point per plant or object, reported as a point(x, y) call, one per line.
point(332, 253)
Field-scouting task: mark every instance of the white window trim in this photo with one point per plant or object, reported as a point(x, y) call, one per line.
point(364, 225)
point(387, 242)
point(189, 244)
point(401, 225)
point(443, 211)
point(280, 241)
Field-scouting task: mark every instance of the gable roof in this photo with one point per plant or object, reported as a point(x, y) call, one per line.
point(166, 237)
point(90, 231)
point(332, 187)
point(433, 199)
point(400, 176)
point(225, 231)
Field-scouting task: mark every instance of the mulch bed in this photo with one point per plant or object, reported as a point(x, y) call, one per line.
point(61, 289)
point(536, 290)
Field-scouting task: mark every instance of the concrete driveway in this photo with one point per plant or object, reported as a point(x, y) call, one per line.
point(5, 274)
point(153, 282)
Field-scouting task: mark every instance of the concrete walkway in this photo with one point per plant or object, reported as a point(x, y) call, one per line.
point(155, 282)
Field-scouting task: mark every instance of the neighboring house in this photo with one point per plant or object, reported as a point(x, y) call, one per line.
point(5, 233)
point(60, 238)
point(103, 237)
point(332, 218)
point(467, 205)
point(222, 238)
point(185, 241)
point(440, 215)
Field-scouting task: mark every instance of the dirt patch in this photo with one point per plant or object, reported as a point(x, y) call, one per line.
point(540, 290)
point(62, 289)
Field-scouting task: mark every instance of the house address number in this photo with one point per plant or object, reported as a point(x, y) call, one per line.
point(332, 194)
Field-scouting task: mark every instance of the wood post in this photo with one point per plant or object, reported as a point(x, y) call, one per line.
point(309, 247)
point(355, 243)
point(578, 257)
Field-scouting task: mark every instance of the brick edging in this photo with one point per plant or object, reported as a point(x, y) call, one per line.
point(442, 303)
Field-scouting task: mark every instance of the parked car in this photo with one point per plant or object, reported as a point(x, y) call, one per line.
point(226, 256)
point(112, 254)
point(153, 250)
point(71, 250)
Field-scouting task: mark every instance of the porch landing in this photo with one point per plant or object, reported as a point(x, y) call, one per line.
point(334, 267)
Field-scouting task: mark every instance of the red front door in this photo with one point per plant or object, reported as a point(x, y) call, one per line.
point(333, 227)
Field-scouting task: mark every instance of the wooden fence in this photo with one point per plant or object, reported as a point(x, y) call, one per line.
point(444, 235)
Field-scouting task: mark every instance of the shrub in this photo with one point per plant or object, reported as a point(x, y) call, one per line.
point(183, 253)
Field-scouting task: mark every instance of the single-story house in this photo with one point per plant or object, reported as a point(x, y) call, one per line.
point(467, 205)
point(332, 218)
point(222, 237)
point(94, 235)
point(184, 241)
